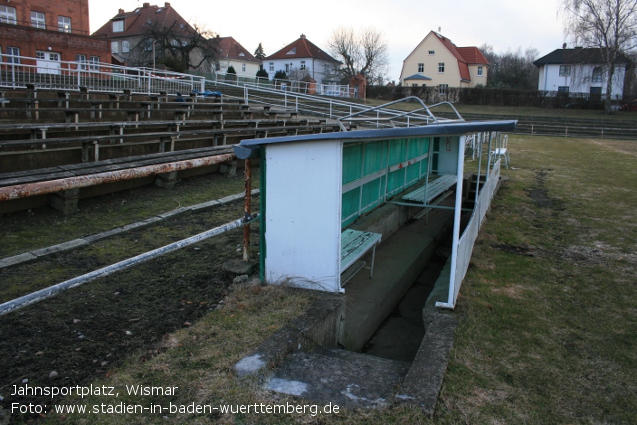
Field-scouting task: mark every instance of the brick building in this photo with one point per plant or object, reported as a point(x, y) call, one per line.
point(51, 32)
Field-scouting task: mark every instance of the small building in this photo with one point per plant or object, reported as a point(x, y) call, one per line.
point(314, 188)
point(437, 62)
point(579, 70)
point(51, 32)
point(231, 53)
point(302, 58)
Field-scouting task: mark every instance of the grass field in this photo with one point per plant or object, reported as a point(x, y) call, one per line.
point(547, 313)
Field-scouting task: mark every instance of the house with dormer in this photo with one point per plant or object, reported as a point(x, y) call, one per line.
point(302, 59)
point(230, 53)
point(438, 62)
point(154, 35)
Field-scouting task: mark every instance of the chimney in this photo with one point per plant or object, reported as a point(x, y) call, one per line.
point(166, 4)
point(302, 35)
point(146, 5)
point(121, 11)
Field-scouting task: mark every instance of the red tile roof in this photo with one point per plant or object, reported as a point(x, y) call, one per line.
point(135, 22)
point(301, 48)
point(465, 55)
point(229, 48)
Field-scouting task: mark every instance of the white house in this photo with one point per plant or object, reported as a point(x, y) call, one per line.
point(300, 59)
point(579, 70)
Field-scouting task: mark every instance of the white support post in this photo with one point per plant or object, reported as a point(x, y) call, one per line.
point(456, 226)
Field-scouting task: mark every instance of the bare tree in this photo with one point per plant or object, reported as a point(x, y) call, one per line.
point(607, 25)
point(365, 52)
point(178, 45)
point(512, 69)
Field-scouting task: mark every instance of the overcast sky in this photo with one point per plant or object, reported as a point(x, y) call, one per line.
point(503, 24)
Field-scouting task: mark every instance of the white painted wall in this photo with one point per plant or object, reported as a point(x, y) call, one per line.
point(303, 214)
point(580, 80)
point(448, 155)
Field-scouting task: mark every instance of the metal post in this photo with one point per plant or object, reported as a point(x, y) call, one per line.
point(247, 204)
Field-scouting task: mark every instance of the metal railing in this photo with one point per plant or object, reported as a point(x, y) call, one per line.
point(23, 71)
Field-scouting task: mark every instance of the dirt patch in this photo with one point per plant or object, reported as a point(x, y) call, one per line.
point(84, 333)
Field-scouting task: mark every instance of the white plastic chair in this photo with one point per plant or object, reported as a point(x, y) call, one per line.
point(501, 150)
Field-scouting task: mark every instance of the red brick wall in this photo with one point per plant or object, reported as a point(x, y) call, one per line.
point(30, 40)
point(77, 10)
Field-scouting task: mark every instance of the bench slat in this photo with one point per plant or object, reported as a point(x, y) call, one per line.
point(433, 188)
point(355, 244)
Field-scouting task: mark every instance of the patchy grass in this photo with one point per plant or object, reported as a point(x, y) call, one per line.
point(43, 227)
point(547, 312)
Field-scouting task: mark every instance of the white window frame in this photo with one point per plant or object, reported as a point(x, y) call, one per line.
point(12, 55)
point(421, 67)
point(125, 46)
point(38, 20)
point(64, 24)
point(271, 66)
point(480, 71)
point(118, 26)
point(563, 90)
point(94, 63)
point(8, 15)
point(243, 67)
point(114, 46)
point(432, 52)
point(441, 67)
point(81, 61)
point(597, 75)
point(442, 89)
point(302, 65)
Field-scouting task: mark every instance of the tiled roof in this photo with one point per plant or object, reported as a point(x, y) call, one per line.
point(300, 49)
point(575, 56)
point(229, 48)
point(465, 55)
point(135, 22)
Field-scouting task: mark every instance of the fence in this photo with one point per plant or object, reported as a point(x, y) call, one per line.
point(22, 71)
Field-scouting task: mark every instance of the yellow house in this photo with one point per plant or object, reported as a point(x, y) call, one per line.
point(437, 62)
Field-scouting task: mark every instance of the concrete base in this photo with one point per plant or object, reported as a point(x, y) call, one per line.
point(399, 261)
point(65, 201)
point(167, 180)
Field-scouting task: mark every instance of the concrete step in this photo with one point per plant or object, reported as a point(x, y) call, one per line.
point(340, 377)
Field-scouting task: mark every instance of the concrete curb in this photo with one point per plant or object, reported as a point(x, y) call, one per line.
point(318, 326)
point(37, 254)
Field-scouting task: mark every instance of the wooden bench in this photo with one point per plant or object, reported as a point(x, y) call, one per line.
point(354, 245)
point(432, 189)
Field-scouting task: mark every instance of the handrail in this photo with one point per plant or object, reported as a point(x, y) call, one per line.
point(429, 117)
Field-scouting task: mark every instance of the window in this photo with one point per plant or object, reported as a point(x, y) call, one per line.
point(287, 68)
point(441, 67)
point(271, 67)
point(432, 52)
point(64, 24)
point(118, 26)
point(480, 71)
point(442, 89)
point(243, 67)
point(114, 46)
point(13, 54)
point(39, 55)
point(302, 64)
point(148, 46)
point(94, 63)
point(597, 75)
point(8, 15)
point(562, 90)
point(125, 46)
point(38, 20)
point(421, 67)
point(81, 61)
point(565, 70)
